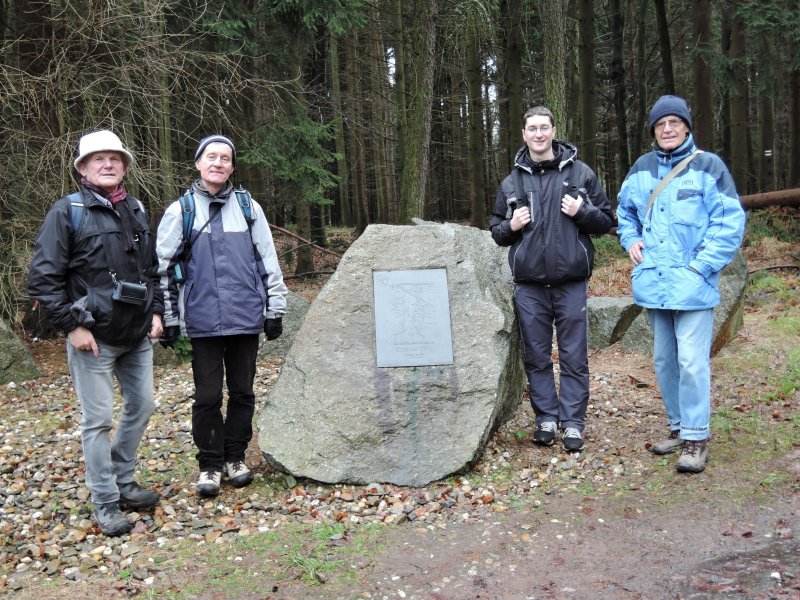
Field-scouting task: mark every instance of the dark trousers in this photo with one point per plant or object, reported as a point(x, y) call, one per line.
point(234, 357)
point(538, 308)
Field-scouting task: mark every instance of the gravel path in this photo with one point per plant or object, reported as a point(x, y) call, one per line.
point(518, 501)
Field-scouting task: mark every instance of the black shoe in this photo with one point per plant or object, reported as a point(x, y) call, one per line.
point(545, 433)
point(111, 521)
point(573, 441)
point(131, 494)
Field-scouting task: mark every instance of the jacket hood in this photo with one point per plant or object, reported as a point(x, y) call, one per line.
point(564, 153)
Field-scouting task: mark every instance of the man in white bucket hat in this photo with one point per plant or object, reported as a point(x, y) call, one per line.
point(94, 272)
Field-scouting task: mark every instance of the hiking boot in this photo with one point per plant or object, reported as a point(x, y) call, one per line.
point(694, 456)
point(238, 473)
point(111, 521)
point(131, 494)
point(545, 433)
point(208, 483)
point(572, 439)
point(669, 445)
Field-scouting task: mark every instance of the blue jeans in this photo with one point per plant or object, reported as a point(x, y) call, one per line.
point(682, 361)
point(111, 462)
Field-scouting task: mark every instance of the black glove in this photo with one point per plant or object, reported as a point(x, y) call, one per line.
point(170, 335)
point(273, 328)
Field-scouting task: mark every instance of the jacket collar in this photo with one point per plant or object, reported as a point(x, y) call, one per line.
point(564, 153)
point(677, 155)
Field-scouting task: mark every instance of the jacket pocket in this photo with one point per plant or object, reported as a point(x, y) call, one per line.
point(688, 208)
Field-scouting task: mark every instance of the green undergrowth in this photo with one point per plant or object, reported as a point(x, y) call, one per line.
point(259, 565)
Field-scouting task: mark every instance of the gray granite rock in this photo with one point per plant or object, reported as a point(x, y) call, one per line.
point(334, 416)
point(16, 363)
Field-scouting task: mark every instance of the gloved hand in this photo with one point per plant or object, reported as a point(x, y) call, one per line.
point(170, 335)
point(273, 328)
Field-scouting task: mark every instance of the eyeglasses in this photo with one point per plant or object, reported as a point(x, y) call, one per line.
point(673, 124)
point(542, 129)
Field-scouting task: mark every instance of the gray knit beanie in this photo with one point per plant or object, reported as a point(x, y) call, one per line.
point(214, 139)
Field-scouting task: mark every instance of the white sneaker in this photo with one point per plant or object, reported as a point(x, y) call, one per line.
point(238, 473)
point(208, 483)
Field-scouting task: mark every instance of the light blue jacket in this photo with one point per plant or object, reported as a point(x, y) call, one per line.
point(693, 229)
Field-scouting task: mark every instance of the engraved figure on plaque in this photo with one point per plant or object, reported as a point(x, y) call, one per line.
point(412, 318)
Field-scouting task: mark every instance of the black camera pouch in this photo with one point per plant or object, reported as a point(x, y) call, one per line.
point(130, 293)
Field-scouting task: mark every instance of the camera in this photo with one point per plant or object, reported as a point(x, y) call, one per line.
point(129, 293)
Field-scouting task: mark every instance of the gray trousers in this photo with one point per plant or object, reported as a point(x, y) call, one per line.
point(538, 308)
point(110, 462)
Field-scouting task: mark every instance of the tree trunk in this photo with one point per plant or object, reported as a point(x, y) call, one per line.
point(703, 105)
point(555, 57)
point(343, 197)
point(588, 139)
point(794, 128)
point(641, 123)
point(510, 101)
point(617, 72)
point(379, 164)
point(725, 112)
point(400, 62)
point(738, 104)
point(789, 197)
point(475, 134)
point(416, 141)
point(355, 141)
point(665, 45)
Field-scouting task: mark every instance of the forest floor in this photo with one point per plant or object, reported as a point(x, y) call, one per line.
point(613, 521)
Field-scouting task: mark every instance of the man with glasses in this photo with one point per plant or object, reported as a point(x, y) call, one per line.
point(546, 209)
point(681, 222)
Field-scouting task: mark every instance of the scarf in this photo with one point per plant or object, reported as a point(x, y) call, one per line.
point(131, 227)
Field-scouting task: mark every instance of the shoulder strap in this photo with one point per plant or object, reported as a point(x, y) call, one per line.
point(187, 209)
point(670, 176)
point(245, 203)
point(76, 211)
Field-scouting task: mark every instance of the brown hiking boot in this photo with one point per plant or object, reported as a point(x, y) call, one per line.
point(694, 456)
point(669, 445)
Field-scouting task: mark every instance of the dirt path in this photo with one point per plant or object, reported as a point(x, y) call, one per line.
point(594, 551)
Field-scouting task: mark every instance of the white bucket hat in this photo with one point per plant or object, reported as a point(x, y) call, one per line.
point(101, 141)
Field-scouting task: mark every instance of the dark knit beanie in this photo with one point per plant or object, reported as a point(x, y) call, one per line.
point(214, 139)
point(669, 105)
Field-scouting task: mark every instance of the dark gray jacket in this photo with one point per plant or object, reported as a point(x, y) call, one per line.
point(553, 248)
point(70, 275)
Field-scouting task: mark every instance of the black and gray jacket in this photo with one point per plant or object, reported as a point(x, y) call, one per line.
point(553, 248)
point(70, 275)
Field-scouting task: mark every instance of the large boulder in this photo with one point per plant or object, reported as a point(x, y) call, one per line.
point(335, 416)
point(728, 315)
point(16, 363)
point(296, 309)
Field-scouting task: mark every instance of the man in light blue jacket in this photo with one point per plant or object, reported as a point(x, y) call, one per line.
point(679, 241)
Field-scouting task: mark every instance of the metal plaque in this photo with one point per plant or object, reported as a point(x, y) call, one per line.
point(412, 318)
